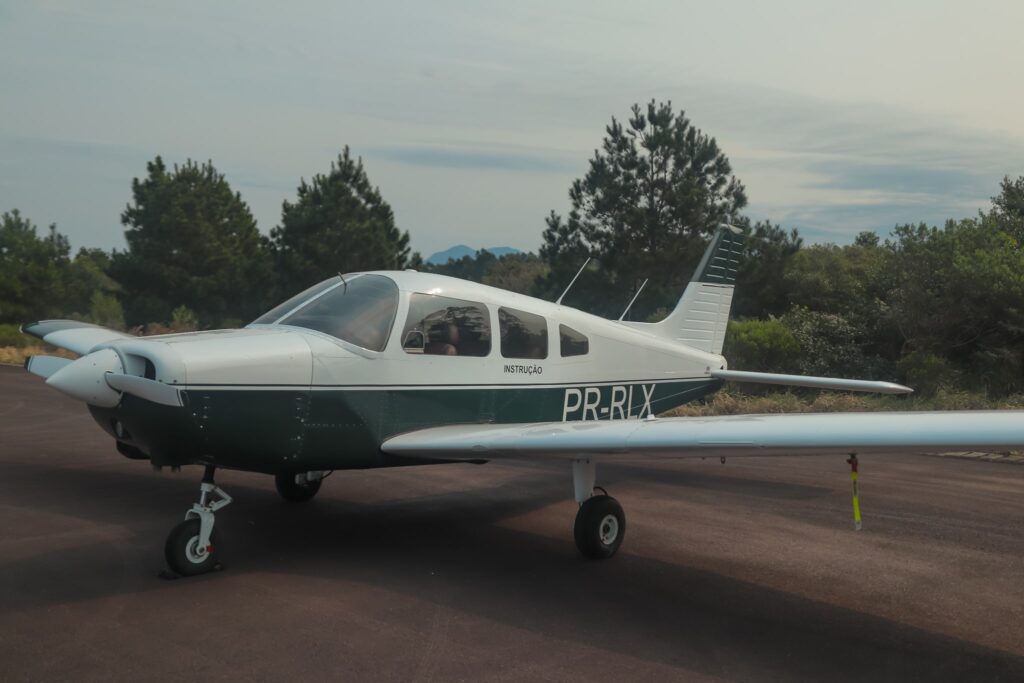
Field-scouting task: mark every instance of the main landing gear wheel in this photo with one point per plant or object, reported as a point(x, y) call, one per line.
point(191, 546)
point(600, 522)
point(183, 552)
point(297, 487)
point(600, 527)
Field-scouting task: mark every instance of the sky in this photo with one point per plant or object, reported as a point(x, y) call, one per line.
point(473, 118)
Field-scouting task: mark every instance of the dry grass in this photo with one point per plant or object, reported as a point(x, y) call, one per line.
point(13, 355)
point(729, 402)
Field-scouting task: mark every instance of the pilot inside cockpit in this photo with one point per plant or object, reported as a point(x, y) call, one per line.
point(443, 326)
point(443, 339)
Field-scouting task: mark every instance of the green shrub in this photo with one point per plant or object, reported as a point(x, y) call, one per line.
point(927, 373)
point(184, 320)
point(105, 310)
point(760, 345)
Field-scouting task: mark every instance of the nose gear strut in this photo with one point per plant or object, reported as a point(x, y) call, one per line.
point(191, 546)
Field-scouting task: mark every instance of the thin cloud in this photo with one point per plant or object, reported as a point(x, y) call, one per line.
point(443, 157)
point(966, 184)
point(470, 111)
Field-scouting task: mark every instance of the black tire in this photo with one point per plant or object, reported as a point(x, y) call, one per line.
point(180, 550)
point(292, 492)
point(600, 527)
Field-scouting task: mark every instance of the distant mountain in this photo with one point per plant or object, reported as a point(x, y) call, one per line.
point(459, 250)
point(503, 251)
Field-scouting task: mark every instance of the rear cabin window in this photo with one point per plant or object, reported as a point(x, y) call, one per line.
point(442, 326)
point(573, 343)
point(360, 311)
point(523, 335)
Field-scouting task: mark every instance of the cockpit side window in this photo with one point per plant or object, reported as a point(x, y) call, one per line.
point(360, 311)
point(572, 343)
point(279, 311)
point(442, 326)
point(523, 335)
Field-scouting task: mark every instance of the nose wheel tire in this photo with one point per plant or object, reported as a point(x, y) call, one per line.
point(292, 491)
point(182, 551)
point(600, 527)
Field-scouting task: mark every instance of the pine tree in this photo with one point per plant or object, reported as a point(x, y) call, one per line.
point(654, 192)
point(339, 223)
point(192, 242)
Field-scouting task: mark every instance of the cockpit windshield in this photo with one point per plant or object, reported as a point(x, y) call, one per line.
point(359, 309)
point(279, 311)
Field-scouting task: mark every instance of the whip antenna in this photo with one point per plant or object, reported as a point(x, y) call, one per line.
point(630, 304)
point(578, 273)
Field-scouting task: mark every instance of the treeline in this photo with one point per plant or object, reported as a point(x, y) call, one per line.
point(194, 255)
point(929, 306)
point(933, 307)
point(936, 308)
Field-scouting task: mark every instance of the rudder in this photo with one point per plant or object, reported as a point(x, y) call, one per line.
point(701, 317)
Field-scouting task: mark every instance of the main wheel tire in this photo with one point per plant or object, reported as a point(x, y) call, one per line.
point(600, 527)
point(293, 492)
point(182, 551)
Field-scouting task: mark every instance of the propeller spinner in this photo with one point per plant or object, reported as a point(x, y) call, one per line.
point(98, 379)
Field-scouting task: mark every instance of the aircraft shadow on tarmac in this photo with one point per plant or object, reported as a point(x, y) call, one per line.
point(721, 483)
point(450, 550)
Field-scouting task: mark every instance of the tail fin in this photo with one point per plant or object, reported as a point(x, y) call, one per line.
point(702, 314)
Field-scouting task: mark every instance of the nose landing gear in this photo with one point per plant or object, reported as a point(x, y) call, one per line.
point(191, 546)
point(600, 523)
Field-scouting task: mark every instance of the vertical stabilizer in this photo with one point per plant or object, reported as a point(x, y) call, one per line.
point(702, 314)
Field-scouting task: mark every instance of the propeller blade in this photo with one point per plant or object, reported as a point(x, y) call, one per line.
point(44, 366)
point(72, 335)
point(148, 389)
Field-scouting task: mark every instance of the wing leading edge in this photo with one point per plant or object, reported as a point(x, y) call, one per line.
point(734, 435)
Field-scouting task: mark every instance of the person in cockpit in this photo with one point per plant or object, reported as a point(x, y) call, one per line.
point(444, 339)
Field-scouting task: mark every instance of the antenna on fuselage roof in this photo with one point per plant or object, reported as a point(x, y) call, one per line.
point(630, 304)
point(344, 283)
point(578, 273)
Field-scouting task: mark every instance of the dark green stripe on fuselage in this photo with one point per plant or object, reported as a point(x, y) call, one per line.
point(275, 429)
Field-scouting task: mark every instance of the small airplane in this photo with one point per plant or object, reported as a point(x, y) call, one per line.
point(388, 368)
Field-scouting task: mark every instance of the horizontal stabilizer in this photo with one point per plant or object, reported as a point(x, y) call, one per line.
point(44, 366)
point(148, 389)
point(811, 382)
point(72, 335)
point(732, 435)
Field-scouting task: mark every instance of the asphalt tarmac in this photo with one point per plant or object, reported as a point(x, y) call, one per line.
point(749, 570)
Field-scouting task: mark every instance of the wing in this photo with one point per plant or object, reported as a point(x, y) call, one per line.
point(72, 335)
point(734, 435)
